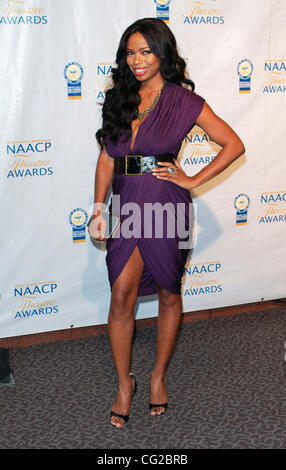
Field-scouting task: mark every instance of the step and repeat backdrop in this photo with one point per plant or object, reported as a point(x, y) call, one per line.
point(55, 64)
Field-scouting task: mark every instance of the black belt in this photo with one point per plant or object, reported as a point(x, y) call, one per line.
point(137, 164)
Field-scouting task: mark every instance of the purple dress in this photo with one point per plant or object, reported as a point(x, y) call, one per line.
point(162, 131)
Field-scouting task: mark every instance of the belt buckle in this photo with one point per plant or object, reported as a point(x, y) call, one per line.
point(126, 164)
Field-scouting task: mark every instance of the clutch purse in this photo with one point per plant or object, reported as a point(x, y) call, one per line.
point(112, 224)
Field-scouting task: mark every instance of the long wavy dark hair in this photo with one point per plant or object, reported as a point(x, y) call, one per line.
point(121, 102)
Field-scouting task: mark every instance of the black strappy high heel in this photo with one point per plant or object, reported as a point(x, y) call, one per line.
point(161, 405)
point(125, 417)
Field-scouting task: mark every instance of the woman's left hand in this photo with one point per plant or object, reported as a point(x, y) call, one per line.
point(175, 174)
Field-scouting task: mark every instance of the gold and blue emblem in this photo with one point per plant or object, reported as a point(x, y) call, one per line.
point(73, 73)
point(241, 204)
point(78, 220)
point(162, 9)
point(244, 70)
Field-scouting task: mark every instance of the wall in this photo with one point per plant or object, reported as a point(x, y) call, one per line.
point(52, 276)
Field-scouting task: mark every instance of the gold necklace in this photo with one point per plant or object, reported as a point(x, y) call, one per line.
point(146, 111)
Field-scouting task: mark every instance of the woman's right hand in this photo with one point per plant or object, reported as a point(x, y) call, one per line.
point(97, 228)
point(103, 179)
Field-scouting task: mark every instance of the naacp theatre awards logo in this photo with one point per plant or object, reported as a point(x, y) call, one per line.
point(78, 219)
point(244, 70)
point(73, 73)
point(162, 9)
point(241, 205)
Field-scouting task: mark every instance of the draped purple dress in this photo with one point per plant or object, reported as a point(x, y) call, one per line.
point(162, 131)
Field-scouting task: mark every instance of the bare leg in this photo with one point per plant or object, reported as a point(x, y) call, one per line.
point(121, 329)
point(169, 319)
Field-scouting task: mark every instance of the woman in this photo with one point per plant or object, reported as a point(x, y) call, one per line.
point(148, 113)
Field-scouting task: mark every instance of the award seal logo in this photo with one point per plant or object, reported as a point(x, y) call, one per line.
point(73, 73)
point(241, 204)
point(162, 9)
point(78, 219)
point(244, 70)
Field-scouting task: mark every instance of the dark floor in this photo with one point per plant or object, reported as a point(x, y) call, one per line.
point(226, 386)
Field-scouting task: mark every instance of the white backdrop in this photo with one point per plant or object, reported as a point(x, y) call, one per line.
point(52, 280)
